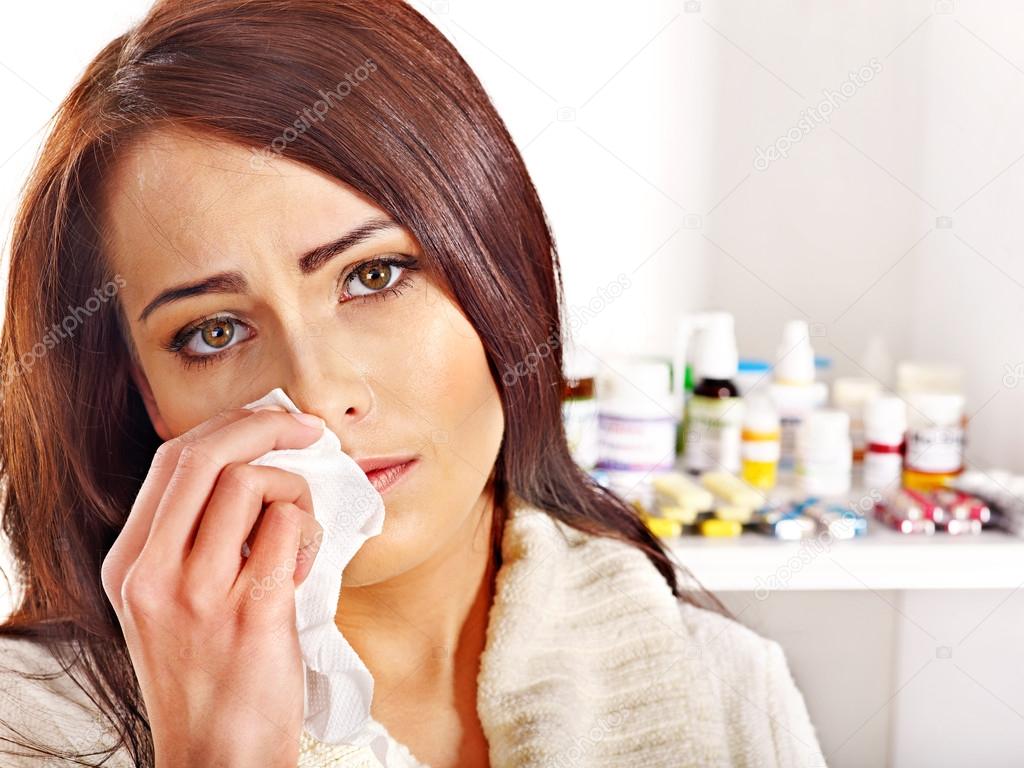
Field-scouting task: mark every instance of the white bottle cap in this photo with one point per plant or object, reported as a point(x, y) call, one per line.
point(579, 363)
point(717, 357)
point(885, 420)
point(942, 409)
point(852, 392)
point(638, 385)
point(825, 434)
point(794, 360)
point(760, 415)
point(928, 377)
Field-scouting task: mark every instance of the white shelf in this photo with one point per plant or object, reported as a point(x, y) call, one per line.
point(882, 559)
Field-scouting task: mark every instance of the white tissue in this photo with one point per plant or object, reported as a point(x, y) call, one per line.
point(339, 687)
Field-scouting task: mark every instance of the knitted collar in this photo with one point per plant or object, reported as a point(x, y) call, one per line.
point(585, 661)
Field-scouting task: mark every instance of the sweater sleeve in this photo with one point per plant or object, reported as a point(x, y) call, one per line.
point(42, 707)
point(314, 754)
point(796, 743)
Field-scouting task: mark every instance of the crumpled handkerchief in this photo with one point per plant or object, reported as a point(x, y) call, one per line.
point(339, 687)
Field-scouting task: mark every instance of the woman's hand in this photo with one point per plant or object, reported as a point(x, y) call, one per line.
point(211, 634)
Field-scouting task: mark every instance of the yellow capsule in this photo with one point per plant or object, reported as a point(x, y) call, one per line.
point(662, 527)
point(719, 528)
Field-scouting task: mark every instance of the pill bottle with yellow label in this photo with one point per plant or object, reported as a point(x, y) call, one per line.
point(760, 442)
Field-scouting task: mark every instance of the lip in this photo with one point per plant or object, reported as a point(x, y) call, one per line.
point(384, 472)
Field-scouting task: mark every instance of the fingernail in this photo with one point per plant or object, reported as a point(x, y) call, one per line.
point(315, 539)
point(266, 407)
point(309, 419)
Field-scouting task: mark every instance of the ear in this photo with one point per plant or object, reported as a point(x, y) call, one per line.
point(142, 383)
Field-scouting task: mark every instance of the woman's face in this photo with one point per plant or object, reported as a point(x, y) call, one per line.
point(379, 351)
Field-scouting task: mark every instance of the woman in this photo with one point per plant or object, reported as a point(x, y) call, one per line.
point(319, 196)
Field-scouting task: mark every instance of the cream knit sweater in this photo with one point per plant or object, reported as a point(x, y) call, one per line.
point(589, 661)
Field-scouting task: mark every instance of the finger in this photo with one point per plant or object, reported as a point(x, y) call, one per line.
point(200, 464)
point(308, 549)
point(270, 568)
point(136, 528)
point(135, 531)
point(241, 493)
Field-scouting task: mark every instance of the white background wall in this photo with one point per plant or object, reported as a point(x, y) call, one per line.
point(640, 123)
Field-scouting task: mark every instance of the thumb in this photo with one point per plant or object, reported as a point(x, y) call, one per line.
point(309, 544)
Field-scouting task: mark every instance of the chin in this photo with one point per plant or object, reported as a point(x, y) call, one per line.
point(400, 546)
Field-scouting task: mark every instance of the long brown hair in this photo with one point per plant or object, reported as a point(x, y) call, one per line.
point(369, 93)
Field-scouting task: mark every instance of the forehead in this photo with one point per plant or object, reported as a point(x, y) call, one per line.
point(190, 196)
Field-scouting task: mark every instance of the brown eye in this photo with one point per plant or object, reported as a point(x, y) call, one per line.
point(209, 339)
point(374, 276)
point(378, 278)
point(218, 333)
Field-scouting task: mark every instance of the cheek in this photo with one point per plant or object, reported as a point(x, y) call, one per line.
point(457, 393)
point(179, 408)
point(434, 370)
point(440, 374)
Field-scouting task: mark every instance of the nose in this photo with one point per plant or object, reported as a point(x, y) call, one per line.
point(328, 382)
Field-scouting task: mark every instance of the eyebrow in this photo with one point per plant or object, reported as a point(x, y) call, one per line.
point(309, 262)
